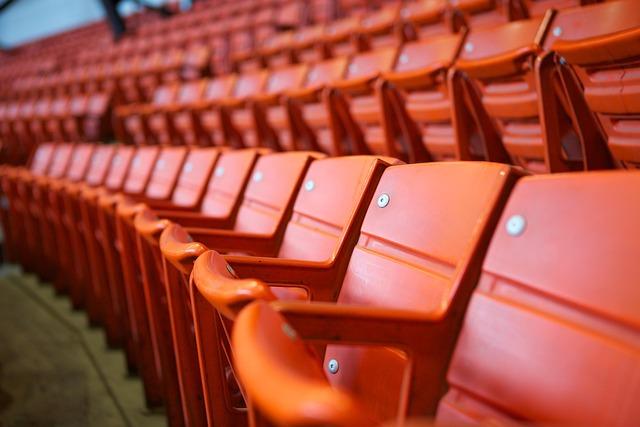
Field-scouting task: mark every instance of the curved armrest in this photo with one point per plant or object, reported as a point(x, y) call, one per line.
point(232, 103)
point(179, 249)
point(148, 225)
point(330, 322)
point(505, 64)
point(267, 99)
point(319, 277)
point(219, 285)
point(235, 241)
point(284, 378)
point(195, 219)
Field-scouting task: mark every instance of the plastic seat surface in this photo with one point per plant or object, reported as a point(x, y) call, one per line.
point(570, 319)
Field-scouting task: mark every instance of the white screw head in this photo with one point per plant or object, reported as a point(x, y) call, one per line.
point(219, 171)
point(557, 31)
point(333, 366)
point(188, 167)
point(136, 162)
point(515, 225)
point(309, 185)
point(468, 47)
point(353, 68)
point(404, 58)
point(117, 160)
point(289, 331)
point(383, 200)
point(257, 176)
point(160, 165)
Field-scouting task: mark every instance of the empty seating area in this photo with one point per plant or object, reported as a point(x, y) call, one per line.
point(343, 213)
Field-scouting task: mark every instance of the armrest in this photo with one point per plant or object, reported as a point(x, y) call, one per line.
point(607, 48)
point(330, 322)
point(319, 277)
point(234, 241)
point(232, 103)
point(195, 219)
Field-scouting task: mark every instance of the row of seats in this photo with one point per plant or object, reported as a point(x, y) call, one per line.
point(352, 290)
point(545, 94)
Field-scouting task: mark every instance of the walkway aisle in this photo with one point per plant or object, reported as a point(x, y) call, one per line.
point(54, 369)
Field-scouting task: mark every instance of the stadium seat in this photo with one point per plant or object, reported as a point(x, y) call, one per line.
point(601, 52)
point(315, 248)
point(267, 203)
point(399, 288)
point(417, 122)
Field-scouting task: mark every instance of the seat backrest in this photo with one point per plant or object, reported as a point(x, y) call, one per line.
point(165, 172)
point(228, 182)
point(100, 162)
point(325, 72)
point(80, 161)
point(332, 191)
point(142, 165)
point(274, 182)
point(119, 166)
point(424, 234)
point(502, 39)
point(369, 64)
point(219, 87)
point(190, 92)
point(593, 21)
point(195, 174)
point(282, 79)
point(433, 52)
point(553, 329)
point(249, 84)
point(164, 94)
point(42, 158)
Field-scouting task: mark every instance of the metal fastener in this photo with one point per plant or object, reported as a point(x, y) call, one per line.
point(333, 366)
point(289, 331)
point(515, 225)
point(383, 200)
point(257, 176)
point(219, 171)
point(309, 185)
point(468, 47)
point(188, 167)
point(557, 31)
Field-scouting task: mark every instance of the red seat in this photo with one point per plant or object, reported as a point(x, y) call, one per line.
point(314, 248)
point(400, 306)
point(600, 44)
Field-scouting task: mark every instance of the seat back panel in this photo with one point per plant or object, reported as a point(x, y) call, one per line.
point(119, 167)
point(165, 172)
point(552, 332)
point(60, 160)
point(142, 165)
point(194, 176)
point(99, 164)
point(42, 158)
point(80, 161)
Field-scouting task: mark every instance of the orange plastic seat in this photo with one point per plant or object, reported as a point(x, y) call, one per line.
point(390, 335)
point(208, 115)
point(182, 114)
point(267, 203)
point(380, 28)
point(265, 108)
point(417, 122)
point(309, 108)
point(314, 248)
point(599, 42)
point(537, 329)
point(357, 105)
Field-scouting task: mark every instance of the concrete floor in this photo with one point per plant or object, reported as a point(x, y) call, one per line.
point(54, 369)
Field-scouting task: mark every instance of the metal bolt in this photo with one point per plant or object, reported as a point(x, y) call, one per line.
point(188, 167)
point(515, 225)
point(383, 200)
point(468, 47)
point(289, 331)
point(231, 271)
point(557, 31)
point(404, 58)
point(160, 164)
point(333, 366)
point(257, 176)
point(309, 185)
point(219, 171)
